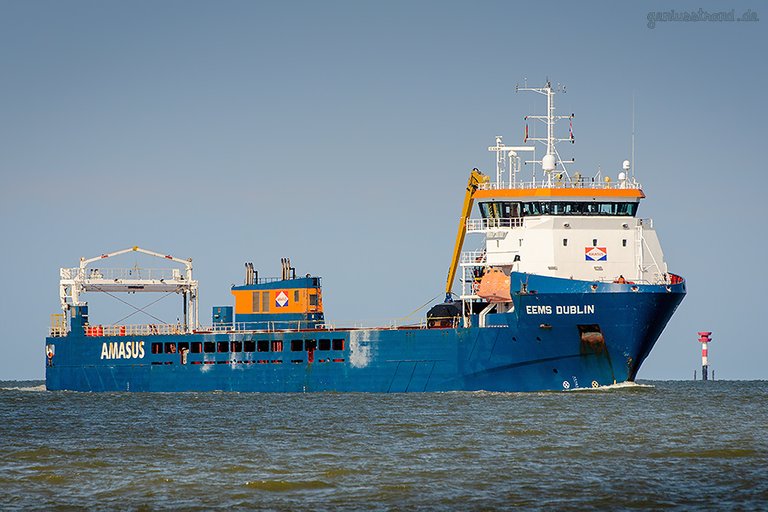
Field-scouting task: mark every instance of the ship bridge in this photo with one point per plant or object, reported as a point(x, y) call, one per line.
point(574, 228)
point(554, 221)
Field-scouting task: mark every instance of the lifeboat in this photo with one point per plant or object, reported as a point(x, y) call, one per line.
point(494, 286)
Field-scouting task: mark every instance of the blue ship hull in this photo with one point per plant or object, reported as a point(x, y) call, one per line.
point(562, 334)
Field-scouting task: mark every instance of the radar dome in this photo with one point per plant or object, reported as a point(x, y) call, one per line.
point(622, 176)
point(625, 165)
point(548, 163)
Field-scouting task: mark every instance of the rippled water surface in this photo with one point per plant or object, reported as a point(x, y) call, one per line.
point(663, 445)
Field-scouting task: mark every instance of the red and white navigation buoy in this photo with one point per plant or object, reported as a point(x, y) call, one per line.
point(704, 339)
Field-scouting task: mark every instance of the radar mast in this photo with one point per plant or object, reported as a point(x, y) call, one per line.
point(551, 159)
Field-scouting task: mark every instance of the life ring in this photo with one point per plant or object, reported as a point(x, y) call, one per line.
point(49, 351)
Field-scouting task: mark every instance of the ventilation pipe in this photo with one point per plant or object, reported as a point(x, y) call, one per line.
point(249, 273)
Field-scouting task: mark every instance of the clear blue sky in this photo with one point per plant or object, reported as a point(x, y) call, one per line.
point(341, 134)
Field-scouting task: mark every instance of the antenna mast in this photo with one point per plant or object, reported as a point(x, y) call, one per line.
point(551, 158)
point(633, 136)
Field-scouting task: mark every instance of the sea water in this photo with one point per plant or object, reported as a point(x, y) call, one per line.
point(659, 445)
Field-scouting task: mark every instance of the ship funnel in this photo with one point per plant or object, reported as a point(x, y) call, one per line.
point(286, 269)
point(250, 274)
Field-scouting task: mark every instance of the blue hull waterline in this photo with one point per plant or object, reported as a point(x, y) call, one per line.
point(540, 345)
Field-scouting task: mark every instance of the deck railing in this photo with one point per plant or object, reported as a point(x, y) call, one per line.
point(124, 274)
point(133, 330)
point(565, 182)
point(97, 331)
point(477, 225)
point(58, 325)
point(473, 257)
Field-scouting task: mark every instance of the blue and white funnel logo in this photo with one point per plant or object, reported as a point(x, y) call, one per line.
point(281, 300)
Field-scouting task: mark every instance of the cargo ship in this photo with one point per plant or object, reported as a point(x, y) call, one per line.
point(565, 288)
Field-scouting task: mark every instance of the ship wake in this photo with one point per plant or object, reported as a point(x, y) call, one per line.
point(618, 386)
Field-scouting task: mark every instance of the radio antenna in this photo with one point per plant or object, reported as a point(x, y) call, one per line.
point(634, 164)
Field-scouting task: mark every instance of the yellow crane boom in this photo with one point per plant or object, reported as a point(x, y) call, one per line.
point(476, 178)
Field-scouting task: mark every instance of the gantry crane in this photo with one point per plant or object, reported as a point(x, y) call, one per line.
point(74, 281)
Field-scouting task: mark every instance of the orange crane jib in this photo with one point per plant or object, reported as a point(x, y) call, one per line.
point(476, 178)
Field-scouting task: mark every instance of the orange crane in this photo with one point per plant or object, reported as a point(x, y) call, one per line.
point(476, 178)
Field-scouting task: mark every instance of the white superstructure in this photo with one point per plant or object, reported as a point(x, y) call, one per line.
point(560, 223)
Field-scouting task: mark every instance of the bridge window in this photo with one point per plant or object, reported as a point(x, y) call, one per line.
point(564, 208)
point(237, 346)
point(256, 299)
point(338, 344)
point(310, 345)
point(325, 344)
point(297, 345)
point(313, 299)
point(532, 208)
point(263, 346)
point(222, 346)
point(500, 209)
point(535, 208)
point(157, 348)
point(277, 346)
point(197, 347)
point(209, 347)
point(296, 296)
point(183, 346)
point(249, 346)
point(626, 209)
